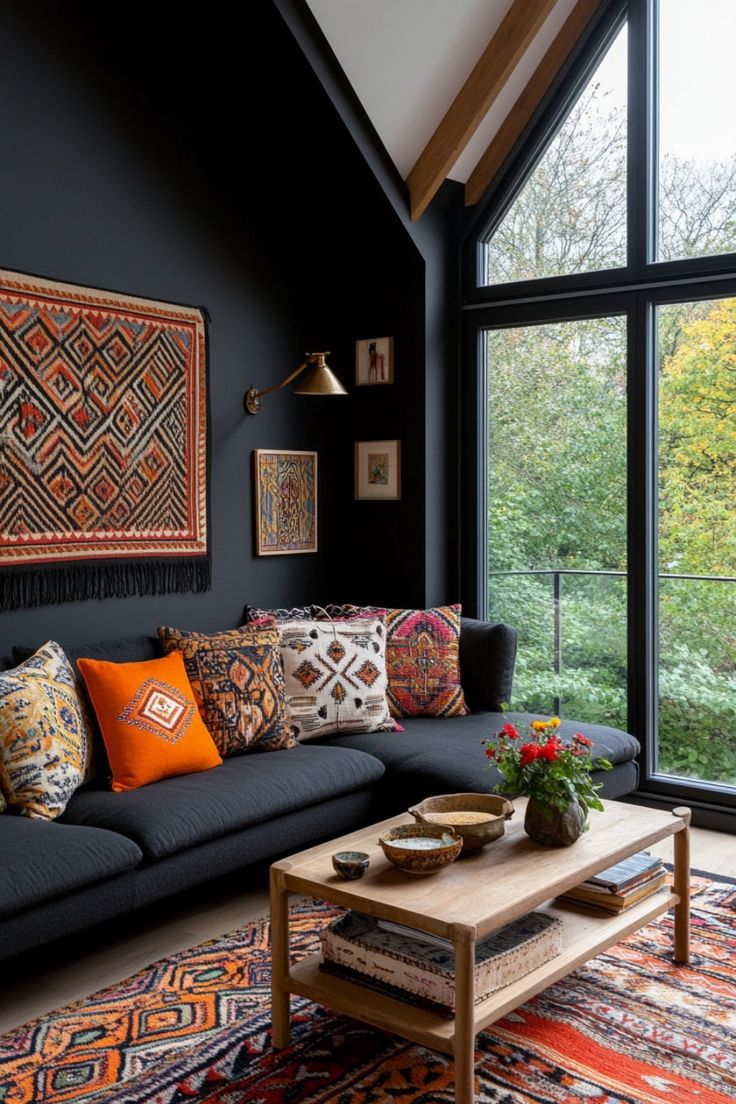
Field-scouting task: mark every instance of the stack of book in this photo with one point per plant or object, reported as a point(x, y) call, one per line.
point(413, 965)
point(622, 885)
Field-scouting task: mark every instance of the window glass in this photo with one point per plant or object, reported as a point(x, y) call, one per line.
point(697, 134)
point(570, 215)
point(697, 541)
point(556, 513)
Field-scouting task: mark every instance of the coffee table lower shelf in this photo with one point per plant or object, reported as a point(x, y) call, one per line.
point(585, 935)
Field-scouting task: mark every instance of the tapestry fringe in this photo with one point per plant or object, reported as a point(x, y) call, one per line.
point(22, 588)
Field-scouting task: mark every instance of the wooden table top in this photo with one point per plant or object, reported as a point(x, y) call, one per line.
point(484, 889)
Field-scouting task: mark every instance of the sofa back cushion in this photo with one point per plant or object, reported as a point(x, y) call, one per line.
point(487, 658)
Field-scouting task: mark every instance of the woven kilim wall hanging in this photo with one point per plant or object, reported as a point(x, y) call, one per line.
point(103, 444)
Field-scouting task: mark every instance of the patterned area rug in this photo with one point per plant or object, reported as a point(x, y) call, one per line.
point(627, 1028)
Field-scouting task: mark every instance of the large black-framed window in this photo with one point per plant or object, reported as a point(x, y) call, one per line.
point(640, 292)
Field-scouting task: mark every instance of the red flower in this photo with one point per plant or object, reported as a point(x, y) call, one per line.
point(511, 732)
point(491, 753)
point(529, 752)
point(550, 751)
point(580, 739)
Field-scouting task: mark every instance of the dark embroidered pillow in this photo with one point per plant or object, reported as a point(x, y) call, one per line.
point(238, 684)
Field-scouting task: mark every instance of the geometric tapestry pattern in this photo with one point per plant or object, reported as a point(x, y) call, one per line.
point(103, 448)
point(628, 1027)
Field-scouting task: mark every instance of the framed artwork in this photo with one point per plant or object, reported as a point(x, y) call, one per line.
point(374, 361)
point(285, 501)
point(378, 469)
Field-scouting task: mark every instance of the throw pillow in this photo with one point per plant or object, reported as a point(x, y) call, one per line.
point(253, 614)
point(335, 675)
point(238, 683)
point(422, 658)
point(45, 744)
point(149, 720)
point(423, 661)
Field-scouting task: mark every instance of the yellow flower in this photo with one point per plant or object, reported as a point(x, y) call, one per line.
point(554, 722)
point(539, 726)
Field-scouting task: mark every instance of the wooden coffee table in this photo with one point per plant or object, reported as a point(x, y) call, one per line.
point(465, 902)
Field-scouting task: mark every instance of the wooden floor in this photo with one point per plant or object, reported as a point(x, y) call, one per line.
point(72, 971)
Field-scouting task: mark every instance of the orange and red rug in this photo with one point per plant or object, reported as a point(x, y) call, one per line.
point(627, 1028)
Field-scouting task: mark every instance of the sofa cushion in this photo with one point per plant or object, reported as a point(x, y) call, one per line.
point(444, 755)
point(149, 720)
point(422, 657)
point(45, 745)
point(423, 662)
point(41, 859)
point(487, 658)
point(238, 681)
point(335, 676)
point(124, 649)
point(168, 816)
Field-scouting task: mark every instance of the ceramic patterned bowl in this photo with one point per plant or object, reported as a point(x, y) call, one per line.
point(478, 818)
point(421, 848)
point(351, 864)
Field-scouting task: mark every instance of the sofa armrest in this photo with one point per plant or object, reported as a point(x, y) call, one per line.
point(487, 658)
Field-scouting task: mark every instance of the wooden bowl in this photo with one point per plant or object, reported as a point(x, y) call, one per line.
point(439, 847)
point(455, 811)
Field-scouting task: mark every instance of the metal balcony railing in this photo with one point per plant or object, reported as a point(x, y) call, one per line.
point(557, 573)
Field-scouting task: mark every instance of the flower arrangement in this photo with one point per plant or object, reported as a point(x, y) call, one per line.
point(546, 768)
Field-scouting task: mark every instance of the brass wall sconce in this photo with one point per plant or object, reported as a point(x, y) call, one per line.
point(320, 381)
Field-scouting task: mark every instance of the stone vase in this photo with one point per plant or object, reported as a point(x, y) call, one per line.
point(546, 824)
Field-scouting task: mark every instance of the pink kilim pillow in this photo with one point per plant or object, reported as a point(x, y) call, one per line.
point(423, 662)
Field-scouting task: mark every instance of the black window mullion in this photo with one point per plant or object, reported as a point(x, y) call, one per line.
point(641, 554)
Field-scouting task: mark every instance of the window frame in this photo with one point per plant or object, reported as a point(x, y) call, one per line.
point(636, 290)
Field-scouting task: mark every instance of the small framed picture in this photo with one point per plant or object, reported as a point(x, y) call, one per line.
point(374, 361)
point(285, 501)
point(378, 469)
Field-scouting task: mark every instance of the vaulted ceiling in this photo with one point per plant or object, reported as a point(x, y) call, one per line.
point(450, 84)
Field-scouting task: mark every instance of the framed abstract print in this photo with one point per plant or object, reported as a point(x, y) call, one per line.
point(285, 501)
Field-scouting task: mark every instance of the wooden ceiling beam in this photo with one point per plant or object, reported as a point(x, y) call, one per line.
point(499, 59)
point(521, 113)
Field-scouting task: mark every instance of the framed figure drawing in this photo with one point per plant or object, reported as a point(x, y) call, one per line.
point(374, 361)
point(285, 501)
point(378, 470)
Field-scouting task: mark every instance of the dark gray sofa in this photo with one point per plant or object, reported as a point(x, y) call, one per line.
point(112, 853)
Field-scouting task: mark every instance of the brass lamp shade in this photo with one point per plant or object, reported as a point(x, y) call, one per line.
point(320, 381)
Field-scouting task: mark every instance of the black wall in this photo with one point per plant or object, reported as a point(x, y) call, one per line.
point(201, 166)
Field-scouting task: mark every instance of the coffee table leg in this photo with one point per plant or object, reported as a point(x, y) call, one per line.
point(280, 1001)
point(463, 938)
point(682, 887)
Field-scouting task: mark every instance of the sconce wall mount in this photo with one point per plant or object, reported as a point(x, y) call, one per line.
point(320, 381)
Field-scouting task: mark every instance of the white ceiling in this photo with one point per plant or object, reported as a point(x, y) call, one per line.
point(408, 59)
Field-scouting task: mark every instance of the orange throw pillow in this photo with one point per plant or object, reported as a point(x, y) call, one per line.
point(149, 720)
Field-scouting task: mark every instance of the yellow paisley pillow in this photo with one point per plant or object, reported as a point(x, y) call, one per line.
point(45, 744)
